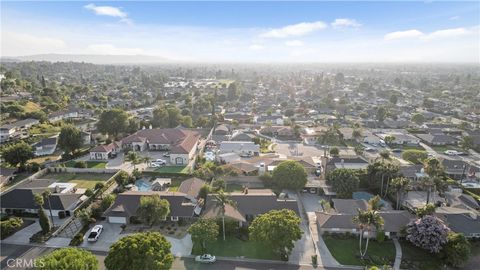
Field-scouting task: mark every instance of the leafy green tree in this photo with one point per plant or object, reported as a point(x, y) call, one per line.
point(107, 201)
point(43, 219)
point(232, 93)
point(381, 114)
point(70, 139)
point(140, 251)
point(366, 221)
point(122, 178)
point(68, 258)
point(18, 154)
point(418, 118)
point(152, 209)
point(113, 122)
point(384, 155)
point(9, 226)
point(393, 99)
point(174, 116)
point(433, 167)
point(160, 117)
point(344, 182)
point(204, 190)
point(204, 231)
point(427, 210)
point(290, 174)
point(279, 229)
point(415, 156)
point(134, 158)
point(389, 139)
point(46, 196)
point(457, 250)
point(221, 201)
point(334, 151)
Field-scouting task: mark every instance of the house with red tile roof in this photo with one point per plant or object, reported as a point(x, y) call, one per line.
point(105, 151)
point(181, 143)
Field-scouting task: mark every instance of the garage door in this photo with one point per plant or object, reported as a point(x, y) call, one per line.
point(118, 220)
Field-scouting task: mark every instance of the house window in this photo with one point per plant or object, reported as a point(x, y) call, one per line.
point(179, 160)
point(174, 218)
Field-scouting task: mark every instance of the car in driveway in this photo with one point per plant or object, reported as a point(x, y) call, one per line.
point(206, 258)
point(95, 233)
point(397, 150)
point(167, 154)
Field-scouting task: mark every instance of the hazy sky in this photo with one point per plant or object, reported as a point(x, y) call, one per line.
point(247, 31)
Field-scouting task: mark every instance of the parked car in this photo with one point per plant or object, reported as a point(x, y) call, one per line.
point(160, 161)
point(206, 258)
point(155, 165)
point(318, 172)
point(369, 149)
point(452, 153)
point(397, 150)
point(167, 154)
point(95, 233)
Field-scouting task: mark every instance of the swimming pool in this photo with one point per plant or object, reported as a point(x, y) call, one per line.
point(362, 195)
point(143, 185)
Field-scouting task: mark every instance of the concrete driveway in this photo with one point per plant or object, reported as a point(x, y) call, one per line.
point(23, 236)
point(181, 247)
point(297, 149)
point(111, 233)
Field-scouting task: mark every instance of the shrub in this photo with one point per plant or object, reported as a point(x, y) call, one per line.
point(80, 164)
point(88, 192)
point(380, 236)
point(77, 239)
point(9, 226)
point(428, 232)
point(99, 185)
point(314, 259)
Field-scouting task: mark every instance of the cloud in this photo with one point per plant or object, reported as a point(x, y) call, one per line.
point(294, 30)
point(256, 47)
point(110, 49)
point(439, 34)
point(294, 43)
point(344, 22)
point(109, 11)
point(454, 18)
point(403, 34)
point(448, 33)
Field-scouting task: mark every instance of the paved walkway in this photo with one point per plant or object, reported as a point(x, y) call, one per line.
point(398, 254)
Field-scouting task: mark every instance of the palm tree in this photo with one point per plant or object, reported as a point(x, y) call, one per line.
point(146, 160)
point(433, 167)
point(133, 157)
point(385, 155)
point(222, 200)
point(375, 203)
point(400, 185)
point(46, 196)
point(427, 183)
point(366, 220)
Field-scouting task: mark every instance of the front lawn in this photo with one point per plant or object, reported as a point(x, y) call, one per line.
point(234, 187)
point(83, 180)
point(346, 251)
point(234, 247)
point(90, 164)
point(442, 148)
point(173, 169)
point(415, 258)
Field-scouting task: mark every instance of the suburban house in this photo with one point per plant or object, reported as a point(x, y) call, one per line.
point(124, 209)
point(400, 138)
point(240, 136)
point(64, 198)
point(465, 222)
point(272, 119)
point(61, 115)
point(9, 131)
point(413, 172)
point(346, 162)
point(105, 151)
point(6, 174)
point(240, 148)
point(438, 139)
point(181, 143)
point(249, 204)
point(244, 168)
point(459, 169)
point(221, 133)
point(191, 188)
point(278, 131)
point(46, 146)
point(394, 222)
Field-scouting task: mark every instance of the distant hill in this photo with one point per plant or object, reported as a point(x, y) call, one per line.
point(90, 58)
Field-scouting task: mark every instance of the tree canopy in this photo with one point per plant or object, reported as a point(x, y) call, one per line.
point(457, 250)
point(415, 156)
point(290, 174)
point(70, 139)
point(113, 122)
point(140, 251)
point(344, 182)
point(278, 228)
point(428, 232)
point(204, 231)
point(153, 209)
point(18, 154)
point(68, 258)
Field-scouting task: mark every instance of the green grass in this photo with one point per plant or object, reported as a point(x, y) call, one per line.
point(90, 164)
point(443, 148)
point(408, 147)
point(234, 247)
point(415, 258)
point(31, 107)
point(345, 250)
point(234, 187)
point(44, 129)
point(83, 180)
point(173, 169)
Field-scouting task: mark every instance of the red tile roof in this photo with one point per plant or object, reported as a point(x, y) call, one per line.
point(181, 141)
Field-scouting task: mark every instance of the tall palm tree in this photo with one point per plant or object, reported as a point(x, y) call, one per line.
point(391, 171)
point(400, 184)
point(133, 157)
point(146, 160)
point(46, 196)
point(427, 183)
point(222, 200)
point(433, 167)
point(366, 221)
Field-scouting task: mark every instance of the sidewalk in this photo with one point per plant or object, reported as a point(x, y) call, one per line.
point(398, 254)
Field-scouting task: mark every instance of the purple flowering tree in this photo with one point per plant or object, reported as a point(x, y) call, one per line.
point(428, 232)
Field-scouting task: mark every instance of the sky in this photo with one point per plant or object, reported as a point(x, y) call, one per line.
point(199, 31)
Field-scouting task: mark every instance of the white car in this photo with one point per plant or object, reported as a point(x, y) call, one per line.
point(160, 161)
point(95, 233)
point(155, 165)
point(206, 258)
point(452, 153)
